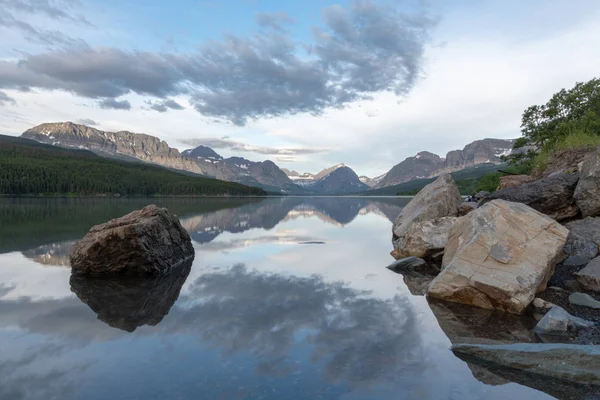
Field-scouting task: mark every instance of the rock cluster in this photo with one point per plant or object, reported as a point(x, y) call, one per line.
point(145, 242)
point(423, 226)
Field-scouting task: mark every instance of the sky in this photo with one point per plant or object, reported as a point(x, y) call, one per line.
point(307, 84)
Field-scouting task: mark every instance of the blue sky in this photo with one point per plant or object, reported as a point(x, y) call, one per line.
point(307, 84)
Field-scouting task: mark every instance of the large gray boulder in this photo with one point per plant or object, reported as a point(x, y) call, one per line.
point(552, 196)
point(583, 241)
point(147, 241)
point(565, 362)
point(587, 193)
point(558, 321)
point(589, 276)
point(499, 256)
point(436, 200)
point(425, 239)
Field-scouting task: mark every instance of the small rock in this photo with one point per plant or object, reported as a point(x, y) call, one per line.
point(408, 263)
point(509, 181)
point(572, 285)
point(425, 239)
point(466, 208)
point(481, 195)
point(541, 305)
point(583, 240)
point(558, 289)
point(589, 277)
point(587, 193)
point(558, 321)
point(583, 299)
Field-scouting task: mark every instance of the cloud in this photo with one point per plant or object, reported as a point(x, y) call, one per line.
point(285, 159)
point(87, 121)
point(114, 104)
point(164, 106)
point(360, 50)
point(216, 143)
point(6, 99)
point(16, 13)
point(273, 20)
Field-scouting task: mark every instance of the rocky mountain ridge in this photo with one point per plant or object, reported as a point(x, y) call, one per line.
point(428, 165)
point(205, 161)
point(141, 147)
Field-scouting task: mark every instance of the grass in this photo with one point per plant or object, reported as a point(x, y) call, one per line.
point(576, 140)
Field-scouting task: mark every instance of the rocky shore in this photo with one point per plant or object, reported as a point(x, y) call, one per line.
point(530, 249)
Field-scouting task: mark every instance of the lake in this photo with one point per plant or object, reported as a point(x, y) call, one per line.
point(287, 298)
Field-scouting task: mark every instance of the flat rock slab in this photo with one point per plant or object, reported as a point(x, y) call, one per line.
point(584, 300)
point(573, 363)
point(589, 276)
point(149, 241)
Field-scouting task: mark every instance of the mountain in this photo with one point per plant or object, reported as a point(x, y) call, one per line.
point(342, 180)
point(371, 182)
point(202, 152)
point(32, 168)
point(307, 179)
point(428, 165)
point(421, 166)
point(122, 145)
point(141, 147)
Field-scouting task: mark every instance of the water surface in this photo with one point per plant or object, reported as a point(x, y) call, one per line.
point(287, 298)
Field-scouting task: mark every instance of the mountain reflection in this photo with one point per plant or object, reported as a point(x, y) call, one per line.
point(205, 226)
point(129, 302)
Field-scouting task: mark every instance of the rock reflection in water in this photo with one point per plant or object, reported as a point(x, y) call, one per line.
point(129, 302)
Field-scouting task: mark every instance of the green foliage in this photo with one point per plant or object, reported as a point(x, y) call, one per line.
point(567, 112)
point(489, 182)
point(31, 168)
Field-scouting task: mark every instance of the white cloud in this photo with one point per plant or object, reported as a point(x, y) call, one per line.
point(475, 86)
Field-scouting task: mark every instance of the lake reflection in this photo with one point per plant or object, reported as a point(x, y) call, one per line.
point(287, 298)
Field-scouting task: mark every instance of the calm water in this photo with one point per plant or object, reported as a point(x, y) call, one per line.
point(286, 299)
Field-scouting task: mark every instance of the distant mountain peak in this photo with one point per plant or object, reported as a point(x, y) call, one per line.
point(202, 152)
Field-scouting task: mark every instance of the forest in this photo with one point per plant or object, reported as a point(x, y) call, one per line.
point(28, 168)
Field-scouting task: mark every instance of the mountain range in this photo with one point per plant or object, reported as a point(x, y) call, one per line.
point(202, 160)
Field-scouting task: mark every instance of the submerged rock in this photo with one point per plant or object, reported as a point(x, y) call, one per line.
point(147, 241)
point(552, 196)
point(557, 322)
point(584, 300)
point(436, 200)
point(499, 256)
point(416, 273)
point(572, 363)
point(127, 302)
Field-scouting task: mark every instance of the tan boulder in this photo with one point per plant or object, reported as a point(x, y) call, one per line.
point(499, 256)
point(436, 200)
point(425, 239)
point(509, 181)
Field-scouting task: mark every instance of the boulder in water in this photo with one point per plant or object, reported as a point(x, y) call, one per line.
point(146, 241)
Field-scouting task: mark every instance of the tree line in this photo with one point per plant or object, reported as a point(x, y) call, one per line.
point(31, 168)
